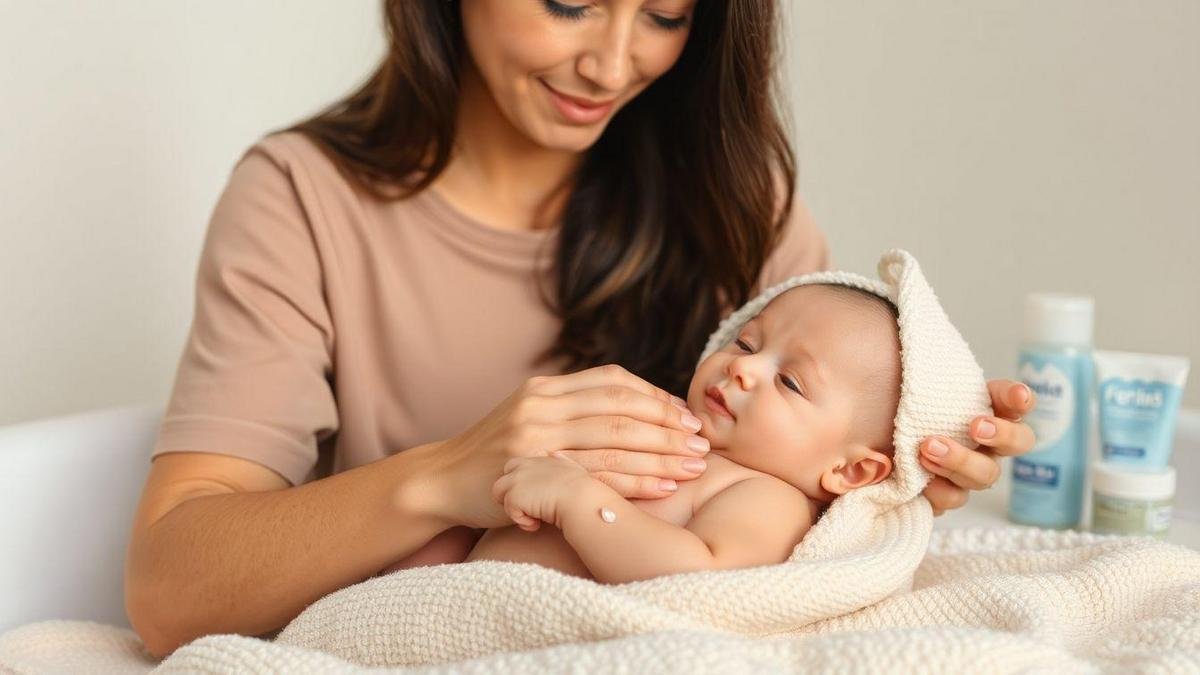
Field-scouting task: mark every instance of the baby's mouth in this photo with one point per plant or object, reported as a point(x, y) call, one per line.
point(715, 400)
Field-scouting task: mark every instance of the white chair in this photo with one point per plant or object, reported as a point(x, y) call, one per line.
point(68, 490)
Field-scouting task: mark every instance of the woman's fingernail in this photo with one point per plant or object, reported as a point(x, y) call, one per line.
point(697, 444)
point(679, 403)
point(1022, 394)
point(985, 429)
point(694, 465)
point(690, 422)
point(937, 448)
point(667, 485)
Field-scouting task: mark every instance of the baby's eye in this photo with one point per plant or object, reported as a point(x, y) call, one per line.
point(787, 382)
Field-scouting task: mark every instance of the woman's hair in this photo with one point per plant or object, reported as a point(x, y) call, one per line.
point(673, 211)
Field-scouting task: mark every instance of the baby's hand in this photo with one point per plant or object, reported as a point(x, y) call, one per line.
point(531, 488)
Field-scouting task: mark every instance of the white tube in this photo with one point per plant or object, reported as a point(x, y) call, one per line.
point(1139, 398)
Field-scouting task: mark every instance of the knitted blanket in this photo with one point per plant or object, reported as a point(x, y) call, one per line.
point(983, 600)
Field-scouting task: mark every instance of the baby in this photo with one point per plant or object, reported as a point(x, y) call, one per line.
point(820, 387)
point(798, 409)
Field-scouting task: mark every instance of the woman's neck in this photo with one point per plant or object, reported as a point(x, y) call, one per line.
point(497, 174)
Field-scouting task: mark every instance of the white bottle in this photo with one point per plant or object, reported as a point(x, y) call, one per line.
point(1056, 363)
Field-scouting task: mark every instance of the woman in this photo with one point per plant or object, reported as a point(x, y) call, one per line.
point(371, 282)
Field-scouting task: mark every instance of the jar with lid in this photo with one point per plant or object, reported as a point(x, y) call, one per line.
point(1126, 501)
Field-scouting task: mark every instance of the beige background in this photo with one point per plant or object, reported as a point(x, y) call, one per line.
point(1011, 145)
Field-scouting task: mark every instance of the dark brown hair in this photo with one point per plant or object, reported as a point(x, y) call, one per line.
point(672, 212)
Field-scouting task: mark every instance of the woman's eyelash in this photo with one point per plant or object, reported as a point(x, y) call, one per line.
point(677, 23)
point(787, 382)
point(573, 13)
point(569, 12)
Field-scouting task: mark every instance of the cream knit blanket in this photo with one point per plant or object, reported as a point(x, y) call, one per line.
point(1001, 600)
point(854, 594)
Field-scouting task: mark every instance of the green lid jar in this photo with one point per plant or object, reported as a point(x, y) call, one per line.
point(1128, 501)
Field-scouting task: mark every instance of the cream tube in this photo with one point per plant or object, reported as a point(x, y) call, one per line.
point(1139, 400)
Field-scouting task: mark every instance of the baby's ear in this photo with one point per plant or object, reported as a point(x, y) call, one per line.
point(860, 465)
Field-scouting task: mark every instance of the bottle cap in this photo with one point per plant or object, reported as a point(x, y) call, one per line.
point(1059, 318)
point(1149, 484)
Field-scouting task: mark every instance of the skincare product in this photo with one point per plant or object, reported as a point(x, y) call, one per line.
point(1056, 363)
point(1128, 501)
point(1139, 401)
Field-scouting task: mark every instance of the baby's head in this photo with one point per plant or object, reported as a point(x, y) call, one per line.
point(811, 385)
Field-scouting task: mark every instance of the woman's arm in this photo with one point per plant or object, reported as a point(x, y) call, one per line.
point(222, 544)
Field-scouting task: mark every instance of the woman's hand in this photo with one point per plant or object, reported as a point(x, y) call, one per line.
point(626, 432)
point(959, 469)
point(532, 488)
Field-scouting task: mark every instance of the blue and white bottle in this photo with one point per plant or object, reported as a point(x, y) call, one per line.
point(1056, 363)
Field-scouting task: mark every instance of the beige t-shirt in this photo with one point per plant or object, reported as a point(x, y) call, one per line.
point(332, 329)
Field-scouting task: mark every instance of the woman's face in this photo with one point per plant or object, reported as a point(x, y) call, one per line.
point(558, 70)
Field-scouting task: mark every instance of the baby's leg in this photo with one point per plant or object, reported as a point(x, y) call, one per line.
point(545, 547)
point(450, 546)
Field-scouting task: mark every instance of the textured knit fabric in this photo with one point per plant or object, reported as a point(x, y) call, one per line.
point(332, 329)
point(1012, 600)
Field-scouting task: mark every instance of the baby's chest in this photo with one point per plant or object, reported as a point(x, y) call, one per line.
point(679, 508)
point(676, 509)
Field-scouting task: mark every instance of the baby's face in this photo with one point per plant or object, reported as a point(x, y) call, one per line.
point(810, 385)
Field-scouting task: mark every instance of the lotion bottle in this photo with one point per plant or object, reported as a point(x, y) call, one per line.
point(1055, 361)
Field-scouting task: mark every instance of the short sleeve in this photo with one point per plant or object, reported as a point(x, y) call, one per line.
point(803, 248)
point(254, 379)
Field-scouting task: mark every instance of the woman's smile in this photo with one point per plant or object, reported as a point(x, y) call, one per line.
point(578, 110)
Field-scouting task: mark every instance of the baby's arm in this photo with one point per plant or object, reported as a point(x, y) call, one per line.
point(756, 521)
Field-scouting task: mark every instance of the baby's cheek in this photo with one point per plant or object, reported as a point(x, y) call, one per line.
point(792, 437)
point(720, 436)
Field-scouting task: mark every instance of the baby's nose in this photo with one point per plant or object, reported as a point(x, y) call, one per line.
point(744, 372)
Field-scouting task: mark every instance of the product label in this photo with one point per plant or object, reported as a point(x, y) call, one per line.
point(1032, 472)
point(1047, 486)
point(1116, 515)
point(1158, 519)
point(1137, 419)
point(1055, 410)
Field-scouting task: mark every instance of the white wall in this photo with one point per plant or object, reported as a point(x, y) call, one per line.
point(1011, 145)
point(124, 121)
